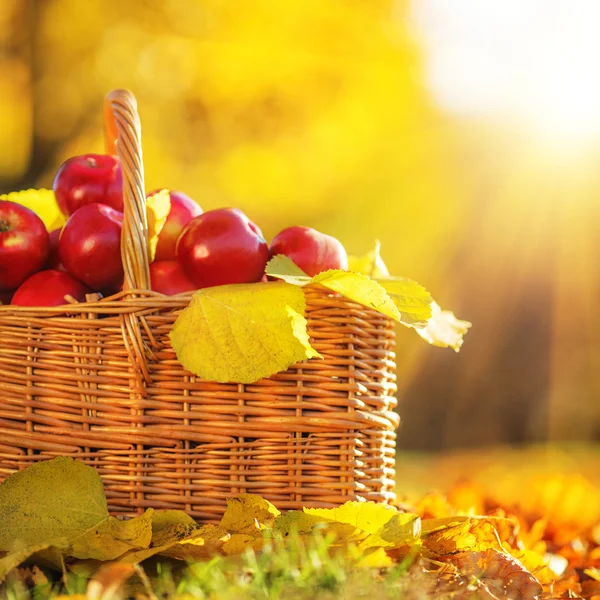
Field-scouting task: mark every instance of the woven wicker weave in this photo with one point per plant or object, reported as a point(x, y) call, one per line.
point(99, 381)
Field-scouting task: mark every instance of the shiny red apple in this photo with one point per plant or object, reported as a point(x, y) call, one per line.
point(167, 277)
point(222, 246)
point(24, 244)
point(310, 249)
point(90, 247)
point(183, 210)
point(49, 288)
point(89, 179)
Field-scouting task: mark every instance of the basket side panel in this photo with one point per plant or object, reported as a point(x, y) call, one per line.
point(319, 434)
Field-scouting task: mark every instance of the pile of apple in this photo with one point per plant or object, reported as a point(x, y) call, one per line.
point(195, 249)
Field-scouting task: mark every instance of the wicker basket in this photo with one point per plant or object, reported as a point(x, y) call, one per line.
point(99, 381)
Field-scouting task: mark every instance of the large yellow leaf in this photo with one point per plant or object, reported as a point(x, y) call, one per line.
point(158, 207)
point(42, 202)
point(242, 332)
point(63, 498)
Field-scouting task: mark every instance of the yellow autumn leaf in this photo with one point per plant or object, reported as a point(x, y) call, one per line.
point(369, 517)
point(370, 264)
point(240, 542)
point(403, 529)
point(359, 288)
point(158, 207)
point(207, 541)
point(64, 498)
point(169, 527)
point(354, 286)
point(374, 558)
point(113, 537)
point(20, 554)
point(296, 522)
point(444, 329)
point(468, 534)
point(248, 514)
point(412, 300)
point(42, 202)
point(242, 332)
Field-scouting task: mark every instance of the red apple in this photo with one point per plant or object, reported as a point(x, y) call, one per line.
point(222, 246)
point(49, 288)
point(167, 277)
point(90, 247)
point(310, 249)
point(53, 261)
point(183, 210)
point(24, 244)
point(88, 179)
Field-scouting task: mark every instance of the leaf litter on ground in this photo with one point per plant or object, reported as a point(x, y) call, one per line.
point(54, 517)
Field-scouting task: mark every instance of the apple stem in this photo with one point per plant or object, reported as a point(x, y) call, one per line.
point(4, 225)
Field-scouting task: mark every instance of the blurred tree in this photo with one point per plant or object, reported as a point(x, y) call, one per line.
point(316, 113)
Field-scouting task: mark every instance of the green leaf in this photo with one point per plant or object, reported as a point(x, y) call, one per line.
point(242, 332)
point(444, 329)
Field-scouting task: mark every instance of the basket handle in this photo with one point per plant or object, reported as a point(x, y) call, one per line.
point(122, 134)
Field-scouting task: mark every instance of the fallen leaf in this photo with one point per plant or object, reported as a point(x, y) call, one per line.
point(113, 537)
point(403, 529)
point(296, 522)
point(458, 534)
point(369, 517)
point(504, 575)
point(64, 499)
point(242, 332)
point(248, 514)
point(18, 556)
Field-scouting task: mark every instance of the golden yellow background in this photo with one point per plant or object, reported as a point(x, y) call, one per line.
point(318, 112)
